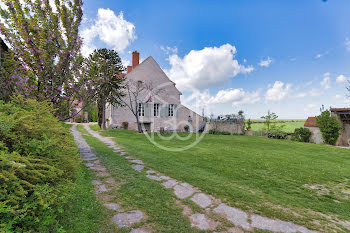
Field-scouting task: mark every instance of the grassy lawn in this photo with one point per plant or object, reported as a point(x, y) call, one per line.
point(135, 191)
point(84, 213)
point(265, 176)
point(289, 126)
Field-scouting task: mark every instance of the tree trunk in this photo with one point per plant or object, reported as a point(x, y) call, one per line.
point(99, 113)
point(104, 116)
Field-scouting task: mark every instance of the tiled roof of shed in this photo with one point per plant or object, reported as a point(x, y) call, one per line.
point(310, 122)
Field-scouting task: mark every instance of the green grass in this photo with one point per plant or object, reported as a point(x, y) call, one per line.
point(289, 126)
point(84, 213)
point(135, 191)
point(264, 176)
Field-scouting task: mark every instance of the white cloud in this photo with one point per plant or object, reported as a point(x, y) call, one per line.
point(278, 91)
point(265, 63)
point(347, 44)
point(168, 49)
point(111, 29)
point(301, 95)
point(337, 96)
point(326, 81)
point(341, 79)
point(235, 96)
point(202, 69)
point(315, 92)
point(311, 110)
point(321, 55)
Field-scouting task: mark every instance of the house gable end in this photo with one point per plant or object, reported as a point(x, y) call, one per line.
point(150, 71)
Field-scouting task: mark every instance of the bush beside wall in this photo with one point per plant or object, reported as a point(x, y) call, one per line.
point(217, 132)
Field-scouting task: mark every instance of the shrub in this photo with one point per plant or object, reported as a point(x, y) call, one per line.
point(125, 125)
point(301, 134)
point(79, 119)
point(249, 125)
point(329, 127)
point(218, 132)
point(92, 112)
point(277, 134)
point(38, 163)
point(186, 128)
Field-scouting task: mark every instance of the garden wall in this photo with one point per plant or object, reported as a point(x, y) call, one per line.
point(232, 127)
point(316, 135)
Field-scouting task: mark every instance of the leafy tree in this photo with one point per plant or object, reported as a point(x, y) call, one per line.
point(269, 118)
point(45, 40)
point(104, 67)
point(249, 124)
point(329, 127)
point(9, 67)
point(301, 134)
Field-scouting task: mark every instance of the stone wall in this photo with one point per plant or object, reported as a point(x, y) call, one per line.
point(232, 127)
point(316, 135)
point(344, 137)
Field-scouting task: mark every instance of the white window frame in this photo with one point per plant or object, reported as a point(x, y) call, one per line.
point(171, 110)
point(156, 110)
point(141, 110)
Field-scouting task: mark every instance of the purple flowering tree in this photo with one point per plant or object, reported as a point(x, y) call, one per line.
point(45, 41)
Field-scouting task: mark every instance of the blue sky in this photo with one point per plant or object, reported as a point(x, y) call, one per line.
point(289, 57)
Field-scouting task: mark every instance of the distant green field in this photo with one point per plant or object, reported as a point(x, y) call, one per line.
point(289, 125)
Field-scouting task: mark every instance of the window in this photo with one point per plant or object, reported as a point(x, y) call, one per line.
point(139, 84)
point(156, 110)
point(141, 110)
point(171, 110)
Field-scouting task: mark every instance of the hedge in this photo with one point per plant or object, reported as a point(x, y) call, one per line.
point(218, 132)
point(38, 164)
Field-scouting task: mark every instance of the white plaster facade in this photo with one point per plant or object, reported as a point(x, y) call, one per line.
point(316, 135)
point(167, 97)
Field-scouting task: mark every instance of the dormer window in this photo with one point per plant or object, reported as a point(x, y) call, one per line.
point(139, 84)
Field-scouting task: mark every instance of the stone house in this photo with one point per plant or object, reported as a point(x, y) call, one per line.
point(159, 106)
point(343, 116)
point(78, 114)
point(316, 135)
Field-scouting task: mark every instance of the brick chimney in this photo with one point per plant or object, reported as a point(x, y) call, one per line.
point(135, 59)
point(128, 69)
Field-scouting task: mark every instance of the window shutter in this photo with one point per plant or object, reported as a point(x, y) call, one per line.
point(167, 110)
point(175, 110)
point(147, 110)
point(152, 109)
point(161, 110)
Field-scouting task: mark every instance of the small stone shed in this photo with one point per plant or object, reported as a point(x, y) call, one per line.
point(343, 116)
point(316, 135)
